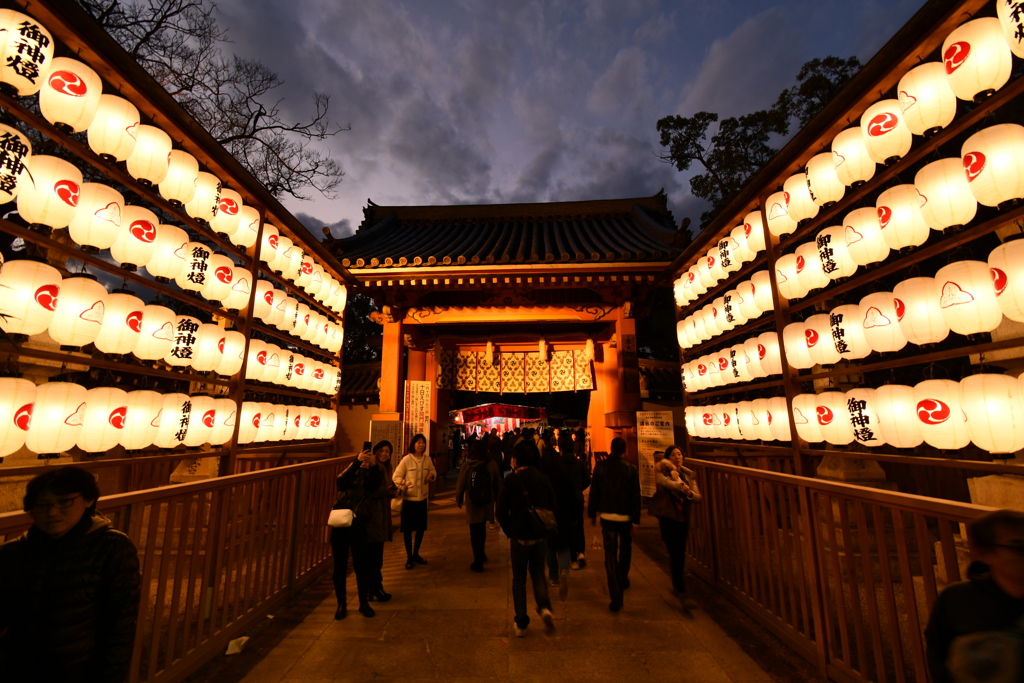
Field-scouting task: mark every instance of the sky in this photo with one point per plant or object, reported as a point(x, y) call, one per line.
point(496, 101)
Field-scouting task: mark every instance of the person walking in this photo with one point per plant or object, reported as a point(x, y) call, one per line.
point(558, 467)
point(69, 588)
point(579, 473)
point(359, 490)
point(525, 487)
point(412, 477)
point(676, 492)
point(477, 489)
point(615, 498)
point(377, 532)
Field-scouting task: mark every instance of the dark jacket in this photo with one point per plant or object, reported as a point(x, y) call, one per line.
point(68, 606)
point(513, 515)
point(668, 500)
point(579, 473)
point(559, 470)
point(476, 514)
point(615, 489)
point(364, 491)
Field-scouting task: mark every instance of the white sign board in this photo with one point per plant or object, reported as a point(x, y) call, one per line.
point(654, 431)
point(417, 410)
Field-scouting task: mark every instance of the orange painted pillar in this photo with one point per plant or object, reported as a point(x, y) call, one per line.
point(417, 365)
point(391, 374)
point(596, 422)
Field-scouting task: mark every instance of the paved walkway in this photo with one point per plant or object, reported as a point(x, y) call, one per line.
point(448, 623)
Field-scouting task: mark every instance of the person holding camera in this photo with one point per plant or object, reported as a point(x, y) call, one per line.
point(412, 477)
point(676, 492)
point(378, 531)
point(361, 490)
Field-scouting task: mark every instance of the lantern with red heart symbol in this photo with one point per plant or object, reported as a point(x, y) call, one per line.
point(900, 424)
point(788, 278)
point(942, 421)
point(808, 267)
point(794, 337)
point(899, 215)
point(926, 100)
point(949, 203)
point(169, 253)
point(264, 302)
point(878, 320)
point(71, 95)
point(205, 199)
point(122, 323)
point(29, 293)
point(833, 417)
point(917, 309)
point(977, 59)
point(269, 244)
point(17, 402)
point(201, 420)
point(801, 204)
point(248, 227)
point(854, 166)
point(780, 222)
point(995, 417)
point(57, 417)
point(967, 298)
point(256, 367)
point(150, 159)
point(993, 161)
point(1005, 266)
point(220, 271)
point(753, 230)
point(26, 52)
point(232, 349)
point(225, 415)
point(249, 422)
point(805, 417)
point(106, 409)
point(818, 339)
point(179, 185)
point(208, 354)
point(79, 313)
point(175, 415)
point(50, 199)
point(229, 212)
point(156, 334)
point(136, 241)
point(822, 182)
point(98, 219)
point(114, 128)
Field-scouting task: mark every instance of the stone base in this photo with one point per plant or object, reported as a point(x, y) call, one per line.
point(998, 491)
point(196, 469)
point(853, 471)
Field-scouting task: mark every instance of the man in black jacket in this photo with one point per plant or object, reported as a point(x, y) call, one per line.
point(615, 497)
point(70, 588)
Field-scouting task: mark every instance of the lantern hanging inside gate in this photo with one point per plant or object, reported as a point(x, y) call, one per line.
point(229, 212)
point(238, 298)
point(136, 241)
point(926, 100)
point(727, 247)
point(150, 159)
point(231, 353)
point(183, 349)
point(745, 420)
point(114, 128)
point(900, 424)
point(220, 273)
point(156, 334)
point(122, 323)
point(730, 421)
point(293, 268)
point(833, 417)
point(805, 416)
point(1006, 266)
point(863, 413)
point(284, 372)
point(823, 184)
point(948, 199)
point(681, 335)
point(264, 302)
point(917, 309)
point(778, 419)
point(881, 326)
point(224, 421)
point(818, 339)
point(194, 276)
point(741, 250)
point(205, 199)
point(105, 411)
point(801, 204)
point(142, 419)
point(288, 307)
point(79, 312)
point(282, 413)
point(718, 311)
point(942, 421)
point(762, 426)
point(808, 267)
point(276, 313)
point(15, 150)
point(208, 354)
point(707, 314)
point(17, 402)
point(836, 261)
point(50, 199)
point(71, 95)
point(169, 250)
point(848, 332)
point(248, 227)
point(29, 293)
point(794, 337)
point(296, 418)
point(854, 166)
point(995, 417)
point(753, 229)
point(57, 417)
point(777, 211)
point(26, 53)
point(977, 59)
point(787, 277)
point(302, 321)
point(175, 414)
point(967, 297)
point(201, 420)
point(993, 160)
point(273, 364)
point(179, 185)
point(96, 224)
point(899, 215)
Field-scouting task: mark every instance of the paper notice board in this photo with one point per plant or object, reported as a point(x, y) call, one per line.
point(654, 433)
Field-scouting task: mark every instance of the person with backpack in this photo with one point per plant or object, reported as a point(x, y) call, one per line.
point(477, 489)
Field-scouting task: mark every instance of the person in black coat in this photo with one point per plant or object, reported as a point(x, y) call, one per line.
point(360, 489)
point(70, 588)
point(559, 468)
point(615, 498)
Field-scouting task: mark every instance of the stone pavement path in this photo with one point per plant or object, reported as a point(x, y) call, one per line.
point(448, 623)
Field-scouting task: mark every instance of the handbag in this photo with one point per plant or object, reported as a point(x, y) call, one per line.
point(340, 518)
point(396, 505)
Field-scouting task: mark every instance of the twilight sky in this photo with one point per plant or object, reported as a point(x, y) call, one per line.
point(490, 101)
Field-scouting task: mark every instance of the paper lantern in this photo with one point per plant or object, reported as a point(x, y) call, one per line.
point(238, 297)
point(993, 161)
point(98, 218)
point(337, 381)
point(697, 319)
point(809, 274)
point(854, 166)
point(778, 419)
point(203, 205)
point(740, 249)
point(942, 421)
point(71, 95)
point(753, 359)
point(316, 282)
point(79, 312)
point(1006, 265)
point(717, 309)
point(273, 364)
point(231, 353)
point(208, 354)
point(948, 199)
point(801, 204)
point(50, 198)
point(753, 229)
point(264, 302)
point(280, 261)
point(57, 417)
point(29, 292)
point(977, 59)
point(848, 332)
point(175, 415)
point(862, 411)
point(338, 339)
point(779, 221)
point(995, 419)
point(156, 334)
point(863, 234)
point(17, 402)
point(248, 227)
point(143, 410)
point(149, 160)
point(730, 422)
point(196, 273)
point(836, 261)
point(886, 135)
point(307, 428)
point(288, 306)
point(759, 418)
point(202, 417)
point(768, 352)
point(267, 419)
point(708, 314)
point(302, 314)
point(229, 212)
point(26, 52)
point(284, 372)
point(299, 374)
point(269, 243)
point(249, 422)
point(899, 215)
point(761, 284)
point(281, 415)
point(787, 277)
point(732, 308)
point(136, 241)
point(703, 273)
point(926, 100)
point(296, 421)
point(105, 411)
point(15, 150)
point(818, 339)
point(276, 314)
point(122, 323)
point(740, 363)
point(169, 250)
point(677, 293)
point(114, 128)
point(715, 271)
point(1011, 20)
point(833, 417)
point(794, 338)
point(257, 364)
point(747, 301)
point(332, 425)
point(917, 309)
point(880, 324)
point(823, 184)
point(220, 273)
point(745, 420)
point(967, 297)
point(179, 185)
point(224, 421)
point(185, 343)
point(693, 283)
point(805, 416)
point(900, 425)
point(681, 335)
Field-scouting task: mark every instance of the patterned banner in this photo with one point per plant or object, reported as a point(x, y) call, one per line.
point(515, 373)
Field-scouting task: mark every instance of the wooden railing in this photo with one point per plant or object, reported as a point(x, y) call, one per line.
point(217, 556)
point(846, 575)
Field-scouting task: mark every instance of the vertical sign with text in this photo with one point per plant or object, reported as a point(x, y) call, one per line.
point(417, 410)
point(654, 433)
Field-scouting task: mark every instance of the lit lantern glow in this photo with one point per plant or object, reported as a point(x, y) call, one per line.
point(169, 249)
point(1012, 22)
point(818, 339)
point(848, 332)
point(927, 101)
point(280, 262)
point(709, 314)
point(267, 418)
point(778, 419)
point(264, 301)
point(248, 227)
point(15, 150)
point(284, 372)
point(863, 233)
point(741, 250)
point(862, 410)
point(801, 204)
point(105, 411)
point(805, 416)
point(1005, 266)
point(762, 426)
point(203, 205)
point(281, 415)
point(257, 364)
point(179, 185)
point(136, 241)
point(122, 323)
point(332, 425)
point(942, 421)
point(753, 229)
point(900, 425)
point(836, 261)
point(338, 339)
point(185, 343)
point(307, 430)
point(201, 420)
point(732, 304)
point(26, 52)
point(269, 243)
point(142, 419)
point(761, 282)
point(879, 322)
point(740, 364)
point(730, 421)
point(30, 292)
point(886, 135)
point(994, 416)
point(229, 210)
point(727, 259)
point(808, 267)
point(745, 420)
point(768, 352)
point(678, 293)
point(748, 304)
point(249, 422)
point(787, 277)
point(296, 419)
point(273, 365)
point(977, 59)
point(917, 309)
point(691, 285)
point(208, 354)
point(175, 414)
point(276, 314)
point(71, 94)
point(948, 199)
point(194, 276)
point(823, 184)
point(967, 297)
point(681, 335)
point(717, 309)
point(223, 422)
point(899, 215)
point(715, 271)
point(833, 417)
point(156, 335)
point(302, 318)
point(854, 166)
point(57, 417)
point(231, 353)
point(50, 197)
point(238, 298)
point(79, 312)
point(149, 160)
point(293, 268)
point(779, 221)
point(114, 128)
point(220, 276)
point(753, 355)
point(17, 402)
point(703, 273)
point(794, 337)
point(697, 320)
point(97, 220)
point(993, 161)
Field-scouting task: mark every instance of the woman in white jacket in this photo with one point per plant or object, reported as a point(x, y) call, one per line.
point(412, 477)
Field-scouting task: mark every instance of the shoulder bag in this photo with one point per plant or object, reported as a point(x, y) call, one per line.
point(542, 520)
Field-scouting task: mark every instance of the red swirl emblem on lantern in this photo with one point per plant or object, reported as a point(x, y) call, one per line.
point(143, 230)
point(711, 262)
point(314, 421)
point(307, 267)
point(901, 308)
point(68, 83)
point(269, 297)
point(117, 417)
point(300, 369)
point(46, 296)
point(702, 369)
point(220, 344)
point(134, 321)
point(999, 280)
point(761, 351)
point(68, 191)
point(318, 373)
point(223, 274)
point(811, 336)
point(723, 363)
point(825, 415)
point(707, 419)
point(747, 227)
point(725, 419)
point(23, 417)
point(261, 357)
point(955, 55)
point(228, 206)
point(800, 263)
point(883, 123)
point(256, 420)
point(932, 411)
point(974, 164)
point(272, 239)
point(208, 417)
point(884, 216)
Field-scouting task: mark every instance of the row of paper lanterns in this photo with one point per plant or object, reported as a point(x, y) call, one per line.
point(56, 416)
point(78, 310)
point(986, 409)
point(755, 358)
point(735, 308)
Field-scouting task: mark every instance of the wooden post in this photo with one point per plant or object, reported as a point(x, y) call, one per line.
point(391, 366)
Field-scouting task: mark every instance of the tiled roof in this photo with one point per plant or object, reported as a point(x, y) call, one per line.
point(631, 230)
point(661, 379)
point(360, 381)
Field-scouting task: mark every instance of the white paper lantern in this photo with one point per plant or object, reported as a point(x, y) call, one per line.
point(741, 250)
point(1006, 265)
point(740, 363)
point(745, 420)
point(337, 339)
point(248, 227)
point(17, 403)
point(818, 338)
point(267, 418)
point(122, 323)
point(1011, 20)
point(681, 335)
point(722, 364)
point(196, 273)
point(787, 277)
point(148, 162)
point(238, 298)
point(880, 324)
point(917, 309)
point(794, 337)
point(281, 415)
point(273, 364)
point(185, 343)
point(71, 94)
point(886, 135)
point(208, 354)
point(175, 415)
point(800, 203)
point(114, 128)
point(836, 261)
point(899, 215)
point(15, 150)
point(29, 293)
point(717, 310)
point(708, 314)
point(224, 421)
point(823, 184)
point(993, 161)
point(995, 418)
point(106, 409)
point(942, 421)
point(98, 218)
point(693, 283)
point(753, 230)
point(249, 422)
point(284, 372)
point(761, 283)
point(753, 359)
point(229, 210)
point(316, 281)
point(926, 100)
point(977, 59)
point(833, 417)
point(79, 313)
point(57, 417)
point(50, 197)
point(949, 202)
point(231, 353)
point(202, 417)
point(703, 273)
point(768, 352)
point(779, 221)
point(26, 52)
point(289, 308)
point(778, 419)
point(332, 425)
point(299, 368)
point(296, 420)
point(808, 267)
point(715, 271)
point(156, 335)
point(848, 332)
point(759, 419)
point(805, 416)
point(747, 301)
point(136, 241)
point(276, 314)
point(697, 319)
point(169, 253)
point(307, 430)
point(967, 297)
point(282, 245)
point(203, 205)
point(269, 243)
point(862, 411)
point(257, 364)
point(854, 166)
point(293, 268)
point(898, 410)
point(179, 185)
point(142, 419)
point(730, 421)
point(863, 233)
point(220, 273)
point(264, 301)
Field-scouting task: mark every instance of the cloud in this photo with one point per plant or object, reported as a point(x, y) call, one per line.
point(624, 89)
